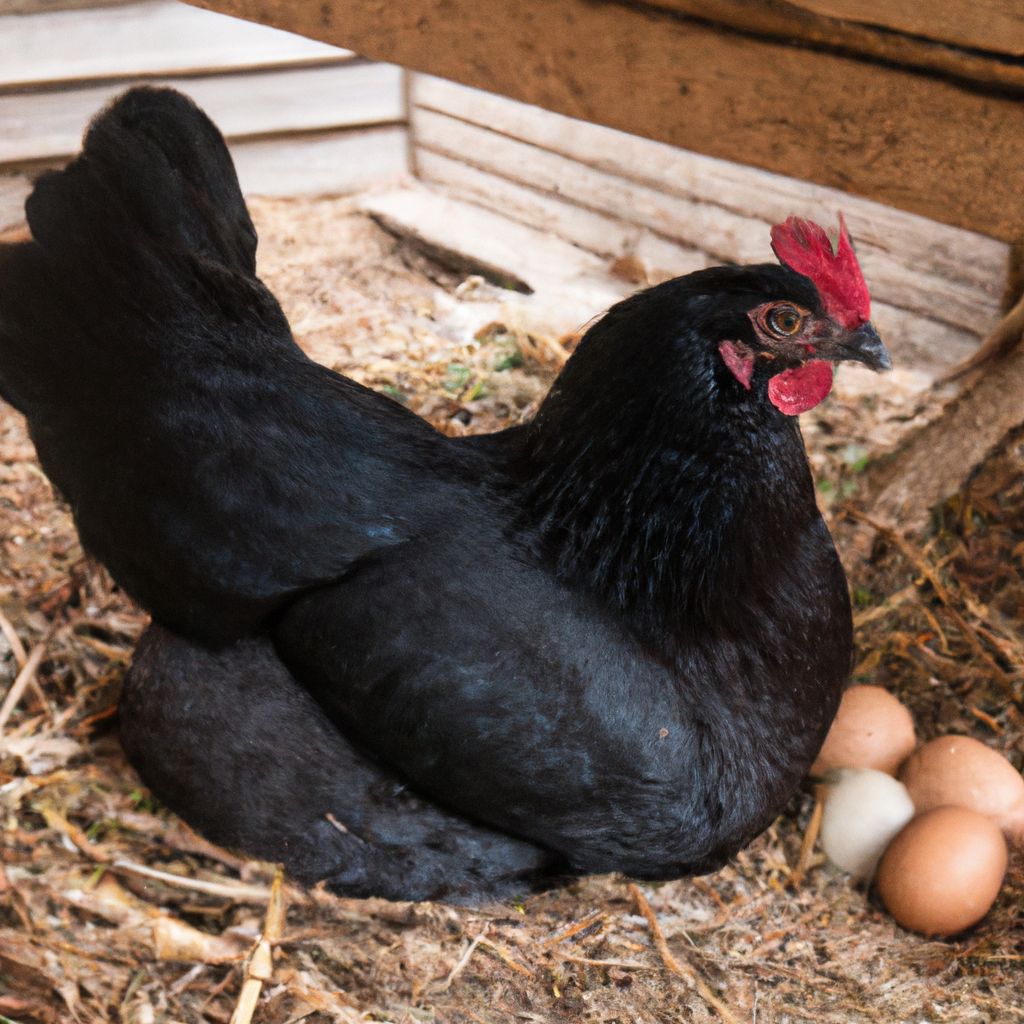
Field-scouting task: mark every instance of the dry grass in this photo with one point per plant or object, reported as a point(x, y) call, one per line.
point(111, 910)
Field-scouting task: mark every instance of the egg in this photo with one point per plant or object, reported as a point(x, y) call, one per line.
point(872, 729)
point(863, 810)
point(962, 771)
point(942, 873)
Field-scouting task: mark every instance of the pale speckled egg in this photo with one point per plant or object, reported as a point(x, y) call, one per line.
point(863, 810)
point(962, 771)
point(872, 729)
point(942, 873)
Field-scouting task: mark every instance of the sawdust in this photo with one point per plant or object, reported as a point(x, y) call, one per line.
point(111, 910)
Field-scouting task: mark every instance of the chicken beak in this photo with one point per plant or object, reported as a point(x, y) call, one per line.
point(864, 346)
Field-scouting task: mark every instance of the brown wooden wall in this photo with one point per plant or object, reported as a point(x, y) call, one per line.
point(919, 106)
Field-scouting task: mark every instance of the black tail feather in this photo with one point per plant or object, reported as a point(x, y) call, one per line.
point(154, 159)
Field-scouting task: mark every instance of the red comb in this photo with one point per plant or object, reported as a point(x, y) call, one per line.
point(804, 247)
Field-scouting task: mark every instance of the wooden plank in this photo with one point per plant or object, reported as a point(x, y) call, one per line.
point(996, 25)
point(14, 189)
point(722, 232)
point(499, 247)
point(159, 37)
point(606, 236)
point(34, 6)
point(332, 164)
point(46, 125)
point(945, 251)
point(569, 285)
point(821, 116)
point(915, 340)
point(931, 36)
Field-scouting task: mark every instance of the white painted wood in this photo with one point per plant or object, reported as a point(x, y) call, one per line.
point(493, 241)
point(606, 236)
point(698, 224)
point(14, 189)
point(951, 253)
point(925, 344)
point(47, 125)
point(333, 164)
point(34, 6)
point(157, 37)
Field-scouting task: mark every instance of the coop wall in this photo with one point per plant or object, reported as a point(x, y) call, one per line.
point(657, 211)
point(301, 117)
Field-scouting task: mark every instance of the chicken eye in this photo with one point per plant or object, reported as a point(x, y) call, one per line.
point(784, 321)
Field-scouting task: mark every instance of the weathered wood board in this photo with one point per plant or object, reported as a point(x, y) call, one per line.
point(156, 37)
point(47, 125)
point(329, 163)
point(935, 143)
point(608, 191)
point(570, 285)
point(955, 36)
point(14, 189)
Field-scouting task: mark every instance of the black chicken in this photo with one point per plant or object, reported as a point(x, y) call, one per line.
point(618, 632)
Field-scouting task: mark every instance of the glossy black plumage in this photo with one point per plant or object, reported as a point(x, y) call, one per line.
point(619, 632)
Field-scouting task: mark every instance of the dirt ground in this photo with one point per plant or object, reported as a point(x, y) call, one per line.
point(111, 910)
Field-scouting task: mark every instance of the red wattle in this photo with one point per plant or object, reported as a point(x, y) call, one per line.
point(795, 391)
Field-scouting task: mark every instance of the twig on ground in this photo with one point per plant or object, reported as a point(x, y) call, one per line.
point(575, 927)
point(21, 683)
point(17, 647)
point(260, 965)
point(505, 957)
point(237, 891)
point(629, 965)
point(672, 964)
point(463, 960)
point(810, 838)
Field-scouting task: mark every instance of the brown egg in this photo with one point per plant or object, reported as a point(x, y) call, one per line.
point(941, 874)
point(960, 770)
point(871, 730)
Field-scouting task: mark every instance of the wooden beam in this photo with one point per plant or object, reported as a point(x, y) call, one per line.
point(883, 33)
point(920, 142)
point(996, 25)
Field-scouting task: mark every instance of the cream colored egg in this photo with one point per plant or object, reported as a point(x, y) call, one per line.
point(961, 771)
point(942, 873)
point(863, 810)
point(872, 729)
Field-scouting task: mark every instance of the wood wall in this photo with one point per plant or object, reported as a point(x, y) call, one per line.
point(936, 288)
point(269, 92)
point(842, 93)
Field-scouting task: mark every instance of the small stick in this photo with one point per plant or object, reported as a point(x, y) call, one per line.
point(17, 647)
point(672, 964)
point(463, 961)
point(575, 928)
point(810, 838)
point(20, 684)
point(630, 965)
point(94, 851)
point(504, 956)
point(237, 891)
point(983, 716)
point(260, 965)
